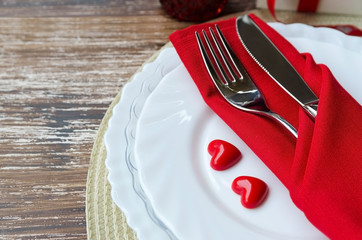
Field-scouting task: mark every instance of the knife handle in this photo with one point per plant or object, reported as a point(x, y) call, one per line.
point(311, 109)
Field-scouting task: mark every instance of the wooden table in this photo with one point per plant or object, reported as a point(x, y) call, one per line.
point(61, 65)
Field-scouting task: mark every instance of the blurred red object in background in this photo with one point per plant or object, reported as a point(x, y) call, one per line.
point(193, 10)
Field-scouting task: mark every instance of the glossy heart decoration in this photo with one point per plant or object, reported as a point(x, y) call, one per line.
point(252, 190)
point(223, 155)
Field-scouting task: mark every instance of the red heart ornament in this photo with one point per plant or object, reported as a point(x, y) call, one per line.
point(252, 190)
point(224, 155)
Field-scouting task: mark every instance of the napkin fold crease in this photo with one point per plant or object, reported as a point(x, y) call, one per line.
point(322, 169)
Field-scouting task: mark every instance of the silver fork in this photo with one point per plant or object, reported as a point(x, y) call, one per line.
point(232, 79)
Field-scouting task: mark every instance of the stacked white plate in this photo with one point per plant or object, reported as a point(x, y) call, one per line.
point(159, 165)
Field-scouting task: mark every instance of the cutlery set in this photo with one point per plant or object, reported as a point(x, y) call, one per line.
point(234, 83)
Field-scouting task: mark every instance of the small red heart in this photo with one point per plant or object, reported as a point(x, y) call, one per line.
point(223, 155)
point(252, 190)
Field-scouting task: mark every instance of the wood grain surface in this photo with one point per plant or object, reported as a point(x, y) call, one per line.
point(61, 65)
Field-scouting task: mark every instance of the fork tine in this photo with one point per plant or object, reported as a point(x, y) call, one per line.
point(232, 56)
point(217, 61)
point(210, 67)
point(223, 56)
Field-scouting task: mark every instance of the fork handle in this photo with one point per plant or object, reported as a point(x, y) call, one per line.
point(284, 123)
point(311, 109)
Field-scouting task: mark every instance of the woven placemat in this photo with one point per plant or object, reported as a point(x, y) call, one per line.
point(104, 219)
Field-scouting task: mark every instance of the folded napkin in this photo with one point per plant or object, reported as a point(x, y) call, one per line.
point(322, 169)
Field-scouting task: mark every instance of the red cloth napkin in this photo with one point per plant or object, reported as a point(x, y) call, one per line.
point(322, 168)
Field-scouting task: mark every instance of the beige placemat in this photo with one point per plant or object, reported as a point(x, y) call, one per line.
point(104, 218)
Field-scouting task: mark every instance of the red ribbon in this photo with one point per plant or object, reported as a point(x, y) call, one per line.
point(271, 7)
point(311, 6)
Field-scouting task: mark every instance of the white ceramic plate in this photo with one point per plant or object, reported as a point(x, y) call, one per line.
point(177, 194)
point(119, 140)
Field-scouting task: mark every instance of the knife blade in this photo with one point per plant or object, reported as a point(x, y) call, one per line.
point(273, 62)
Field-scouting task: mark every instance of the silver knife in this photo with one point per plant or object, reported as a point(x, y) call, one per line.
point(272, 61)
